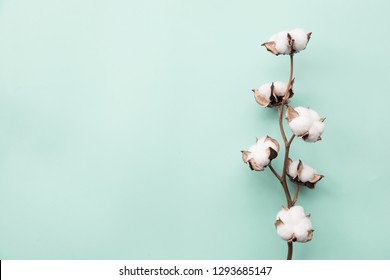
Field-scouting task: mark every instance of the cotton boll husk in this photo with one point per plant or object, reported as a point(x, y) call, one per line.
point(307, 173)
point(293, 168)
point(300, 38)
point(300, 125)
point(285, 231)
point(281, 42)
point(280, 88)
point(265, 91)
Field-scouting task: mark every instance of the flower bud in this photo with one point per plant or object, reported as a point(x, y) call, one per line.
point(261, 154)
point(293, 225)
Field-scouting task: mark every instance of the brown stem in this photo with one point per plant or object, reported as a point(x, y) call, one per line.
point(295, 194)
point(290, 78)
point(287, 145)
point(274, 171)
point(287, 152)
point(280, 115)
point(290, 250)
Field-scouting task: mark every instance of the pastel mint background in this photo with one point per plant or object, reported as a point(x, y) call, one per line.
point(121, 125)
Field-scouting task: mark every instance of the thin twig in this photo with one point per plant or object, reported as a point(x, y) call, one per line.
point(280, 115)
point(295, 194)
point(274, 171)
point(285, 97)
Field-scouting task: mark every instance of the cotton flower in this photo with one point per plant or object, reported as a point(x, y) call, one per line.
point(305, 123)
point(293, 225)
point(288, 42)
point(271, 94)
point(302, 173)
point(260, 155)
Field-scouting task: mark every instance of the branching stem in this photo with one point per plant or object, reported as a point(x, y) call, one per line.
point(295, 194)
point(275, 173)
point(287, 144)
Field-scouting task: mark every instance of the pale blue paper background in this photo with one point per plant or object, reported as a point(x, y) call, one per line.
point(121, 125)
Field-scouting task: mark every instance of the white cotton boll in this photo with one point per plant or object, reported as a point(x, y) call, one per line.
point(294, 222)
point(315, 131)
point(284, 216)
point(314, 115)
point(293, 168)
point(303, 112)
point(270, 144)
point(307, 173)
point(252, 149)
point(281, 42)
point(285, 231)
point(300, 234)
point(306, 224)
point(311, 138)
point(297, 213)
point(280, 88)
point(265, 91)
point(262, 158)
point(300, 38)
point(260, 155)
point(260, 142)
point(317, 127)
point(300, 125)
point(260, 152)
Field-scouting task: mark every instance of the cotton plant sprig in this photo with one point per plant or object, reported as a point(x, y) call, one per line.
point(292, 224)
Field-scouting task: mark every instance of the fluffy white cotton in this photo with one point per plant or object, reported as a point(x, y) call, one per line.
point(297, 213)
point(313, 115)
point(300, 38)
point(293, 169)
point(285, 231)
point(265, 91)
point(300, 233)
point(281, 42)
point(303, 112)
point(267, 144)
point(307, 113)
point(260, 152)
point(294, 224)
point(300, 125)
point(315, 131)
point(308, 123)
point(307, 174)
point(284, 216)
point(280, 88)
